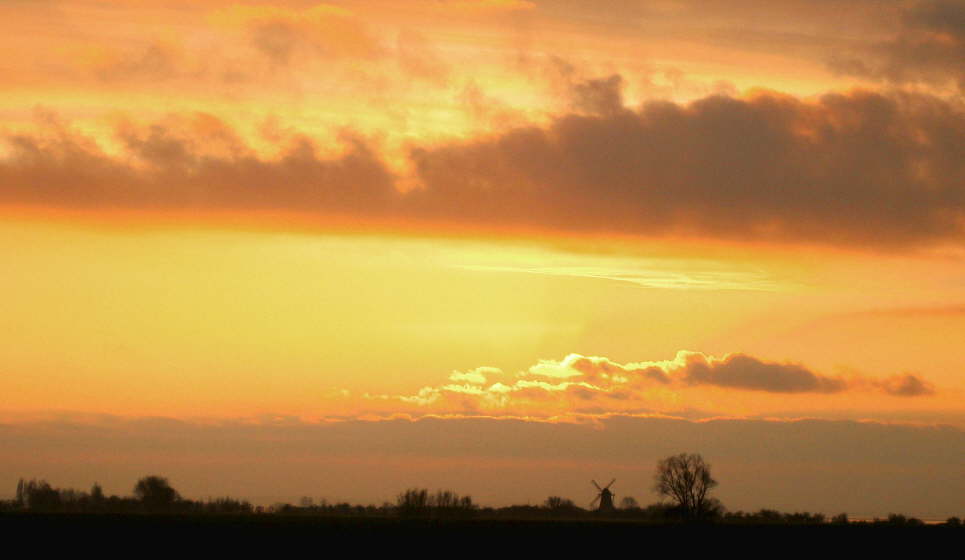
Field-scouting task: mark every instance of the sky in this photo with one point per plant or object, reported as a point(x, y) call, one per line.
point(286, 248)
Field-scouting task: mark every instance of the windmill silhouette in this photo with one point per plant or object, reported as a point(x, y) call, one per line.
point(605, 497)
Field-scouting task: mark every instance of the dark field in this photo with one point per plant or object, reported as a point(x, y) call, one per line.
point(167, 530)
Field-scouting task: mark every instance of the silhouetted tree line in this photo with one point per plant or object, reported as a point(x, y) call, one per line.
point(773, 517)
point(154, 494)
point(308, 506)
point(418, 502)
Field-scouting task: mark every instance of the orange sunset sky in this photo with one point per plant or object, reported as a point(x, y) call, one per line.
point(286, 248)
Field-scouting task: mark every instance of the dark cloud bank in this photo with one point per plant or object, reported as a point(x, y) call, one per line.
point(816, 465)
point(859, 169)
point(740, 371)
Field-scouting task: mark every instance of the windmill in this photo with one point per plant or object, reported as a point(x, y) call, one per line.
point(605, 497)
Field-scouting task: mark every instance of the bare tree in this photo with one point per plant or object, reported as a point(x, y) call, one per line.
point(686, 478)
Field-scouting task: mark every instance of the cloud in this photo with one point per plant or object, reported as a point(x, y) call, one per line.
point(579, 92)
point(476, 376)
point(734, 371)
point(154, 62)
point(929, 47)
point(597, 370)
point(662, 82)
point(859, 169)
point(601, 96)
point(478, 8)
point(280, 33)
point(195, 162)
point(275, 39)
point(741, 371)
point(907, 385)
point(847, 169)
point(419, 59)
point(489, 111)
point(552, 388)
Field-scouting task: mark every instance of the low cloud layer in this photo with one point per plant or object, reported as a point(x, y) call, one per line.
point(600, 385)
point(801, 465)
point(857, 169)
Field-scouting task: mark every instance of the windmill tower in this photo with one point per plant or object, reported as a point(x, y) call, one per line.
point(605, 497)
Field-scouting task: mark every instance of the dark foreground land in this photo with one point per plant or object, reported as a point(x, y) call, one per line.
point(470, 535)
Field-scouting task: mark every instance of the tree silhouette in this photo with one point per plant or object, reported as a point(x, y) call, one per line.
point(41, 496)
point(96, 493)
point(156, 493)
point(414, 501)
point(559, 503)
point(418, 501)
point(629, 502)
point(686, 478)
point(21, 498)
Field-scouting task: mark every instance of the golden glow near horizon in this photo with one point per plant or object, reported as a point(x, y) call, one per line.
point(208, 323)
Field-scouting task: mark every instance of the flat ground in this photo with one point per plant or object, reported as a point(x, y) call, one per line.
point(468, 535)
